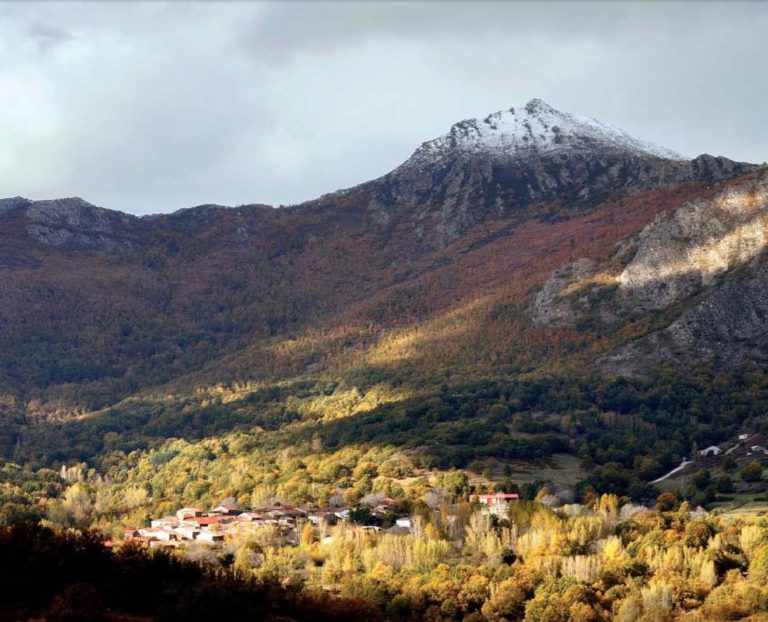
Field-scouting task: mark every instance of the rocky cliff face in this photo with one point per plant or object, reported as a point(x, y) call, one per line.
point(686, 251)
point(72, 224)
point(700, 270)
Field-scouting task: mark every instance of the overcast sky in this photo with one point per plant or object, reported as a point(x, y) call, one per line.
point(154, 107)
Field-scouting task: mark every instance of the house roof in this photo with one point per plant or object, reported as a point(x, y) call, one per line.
point(207, 520)
point(226, 507)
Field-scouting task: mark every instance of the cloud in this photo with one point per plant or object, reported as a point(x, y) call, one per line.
point(150, 107)
point(49, 37)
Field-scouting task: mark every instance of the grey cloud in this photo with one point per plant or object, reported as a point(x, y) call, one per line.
point(284, 30)
point(49, 37)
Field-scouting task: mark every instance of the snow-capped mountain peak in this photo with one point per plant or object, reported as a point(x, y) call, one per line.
point(534, 129)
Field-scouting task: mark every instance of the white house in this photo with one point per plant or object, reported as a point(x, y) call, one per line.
point(187, 532)
point(158, 534)
point(165, 523)
point(404, 522)
point(228, 509)
point(743, 437)
point(210, 536)
point(712, 450)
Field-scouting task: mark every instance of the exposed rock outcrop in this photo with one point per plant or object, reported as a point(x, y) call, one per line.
point(702, 271)
point(683, 252)
point(562, 299)
point(75, 224)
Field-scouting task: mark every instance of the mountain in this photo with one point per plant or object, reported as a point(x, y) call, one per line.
point(532, 243)
point(521, 158)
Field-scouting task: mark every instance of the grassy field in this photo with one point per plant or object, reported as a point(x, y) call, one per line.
point(742, 504)
point(560, 469)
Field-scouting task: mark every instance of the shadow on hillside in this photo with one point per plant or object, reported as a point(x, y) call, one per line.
point(451, 426)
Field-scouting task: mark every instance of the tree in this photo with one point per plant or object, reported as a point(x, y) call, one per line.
point(307, 535)
point(753, 472)
point(78, 603)
point(724, 484)
point(666, 502)
point(456, 483)
point(701, 479)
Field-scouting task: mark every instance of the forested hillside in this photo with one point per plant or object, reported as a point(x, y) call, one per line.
point(506, 295)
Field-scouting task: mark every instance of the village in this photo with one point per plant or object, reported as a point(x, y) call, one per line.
point(226, 521)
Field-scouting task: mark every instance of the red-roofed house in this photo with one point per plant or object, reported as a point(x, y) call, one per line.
point(497, 503)
point(184, 513)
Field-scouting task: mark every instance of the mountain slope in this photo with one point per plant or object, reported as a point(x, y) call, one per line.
point(426, 276)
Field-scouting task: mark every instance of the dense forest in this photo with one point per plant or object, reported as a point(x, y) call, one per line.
point(605, 561)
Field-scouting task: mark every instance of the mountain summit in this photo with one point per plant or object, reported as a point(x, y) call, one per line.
point(535, 129)
point(519, 158)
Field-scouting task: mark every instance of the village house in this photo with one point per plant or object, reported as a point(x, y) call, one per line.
point(496, 504)
point(188, 513)
point(322, 517)
point(163, 544)
point(227, 509)
point(210, 536)
point(165, 522)
point(187, 532)
point(250, 517)
point(152, 533)
point(712, 450)
point(383, 510)
point(207, 521)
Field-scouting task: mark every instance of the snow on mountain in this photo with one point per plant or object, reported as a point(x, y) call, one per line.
point(537, 128)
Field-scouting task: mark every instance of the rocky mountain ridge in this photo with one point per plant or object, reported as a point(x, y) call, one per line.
point(513, 159)
point(480, 170)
